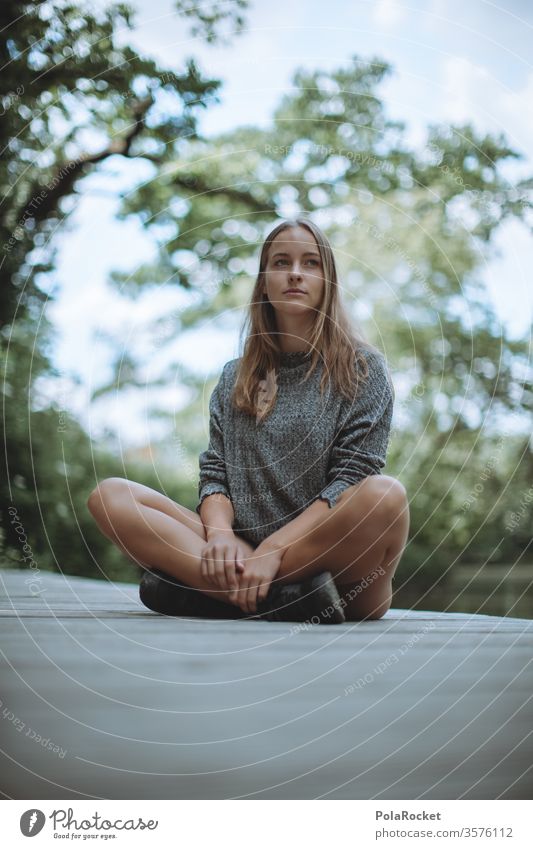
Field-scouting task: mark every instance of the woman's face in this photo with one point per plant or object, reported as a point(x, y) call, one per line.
point(294, 262)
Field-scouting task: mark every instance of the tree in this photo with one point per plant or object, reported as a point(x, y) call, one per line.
point(72, 98)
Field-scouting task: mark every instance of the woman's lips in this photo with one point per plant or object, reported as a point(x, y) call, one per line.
point(294, 292)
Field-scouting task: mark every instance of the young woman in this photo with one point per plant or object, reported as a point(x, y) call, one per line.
point(290, 484)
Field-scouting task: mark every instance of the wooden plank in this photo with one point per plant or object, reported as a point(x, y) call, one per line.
point(102, 698)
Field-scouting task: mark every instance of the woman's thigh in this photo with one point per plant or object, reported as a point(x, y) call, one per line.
point(357, 529)
point(113, 494)
point(122, 490)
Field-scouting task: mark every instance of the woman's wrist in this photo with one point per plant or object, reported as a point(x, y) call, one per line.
point(215, 532)
point(270, 544)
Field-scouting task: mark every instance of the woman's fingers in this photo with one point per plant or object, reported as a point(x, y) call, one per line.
point(211, 567)
point(230, 576)
point(219, 566)
point(251, 596)
point(242, 594)
point(208, 565)
point(262, 591)
point(215, 566)
point(248, 595)
point(233, 568)
point(223, 562)
point(204, 567)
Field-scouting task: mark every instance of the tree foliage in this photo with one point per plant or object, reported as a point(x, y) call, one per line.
point(73, 96)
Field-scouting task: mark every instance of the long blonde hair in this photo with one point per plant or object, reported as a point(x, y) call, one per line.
point(333, 339)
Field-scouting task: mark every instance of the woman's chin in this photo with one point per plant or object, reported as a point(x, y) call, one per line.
point(292, 307)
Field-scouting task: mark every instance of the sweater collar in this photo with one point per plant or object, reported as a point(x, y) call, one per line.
point(291, 359)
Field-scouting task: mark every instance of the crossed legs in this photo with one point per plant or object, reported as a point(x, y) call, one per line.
point(153, 531)
point(362, 537)
point(361, 542)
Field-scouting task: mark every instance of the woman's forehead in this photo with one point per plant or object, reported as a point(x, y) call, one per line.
point(294, 237)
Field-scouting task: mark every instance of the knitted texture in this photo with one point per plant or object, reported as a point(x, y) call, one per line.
point(310, 446)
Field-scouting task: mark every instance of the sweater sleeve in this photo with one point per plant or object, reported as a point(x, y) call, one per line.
point(211, 461)
point(360, 447)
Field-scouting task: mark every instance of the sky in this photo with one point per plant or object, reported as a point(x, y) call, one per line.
point(452, 62)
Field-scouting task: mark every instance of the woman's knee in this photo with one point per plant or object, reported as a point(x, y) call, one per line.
point(379, 499)
point(367, 613)
point(106, 493)
point(369, 598)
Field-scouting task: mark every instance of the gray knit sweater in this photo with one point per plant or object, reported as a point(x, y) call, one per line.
point(310, 446)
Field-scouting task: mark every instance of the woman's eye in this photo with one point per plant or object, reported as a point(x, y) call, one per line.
point(309, 261)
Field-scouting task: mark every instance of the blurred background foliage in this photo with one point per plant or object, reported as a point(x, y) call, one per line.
point(411, 231)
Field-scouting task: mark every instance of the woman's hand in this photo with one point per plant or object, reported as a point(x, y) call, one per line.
point(260, 569)
point(222, 560)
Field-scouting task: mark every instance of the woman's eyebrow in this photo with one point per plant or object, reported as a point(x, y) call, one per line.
point(305, 253)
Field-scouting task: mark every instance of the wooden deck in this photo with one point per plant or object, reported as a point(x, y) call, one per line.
point(104, 699)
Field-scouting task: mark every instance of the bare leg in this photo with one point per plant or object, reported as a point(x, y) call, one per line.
point(363, 537)
point(153, 531)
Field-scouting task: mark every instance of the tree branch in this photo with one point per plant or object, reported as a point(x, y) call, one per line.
point(43, 202)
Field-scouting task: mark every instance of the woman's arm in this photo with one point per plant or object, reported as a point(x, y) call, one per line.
point(213, 477)
point(294, 530)
point(360, 448)
point(216, 513)
point(221, 555)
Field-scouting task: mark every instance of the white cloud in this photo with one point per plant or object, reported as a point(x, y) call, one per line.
point(388, 13)
point(507, 278)
point(472, 93)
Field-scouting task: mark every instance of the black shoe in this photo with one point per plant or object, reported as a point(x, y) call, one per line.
point(314, 600)
point(167, 595)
